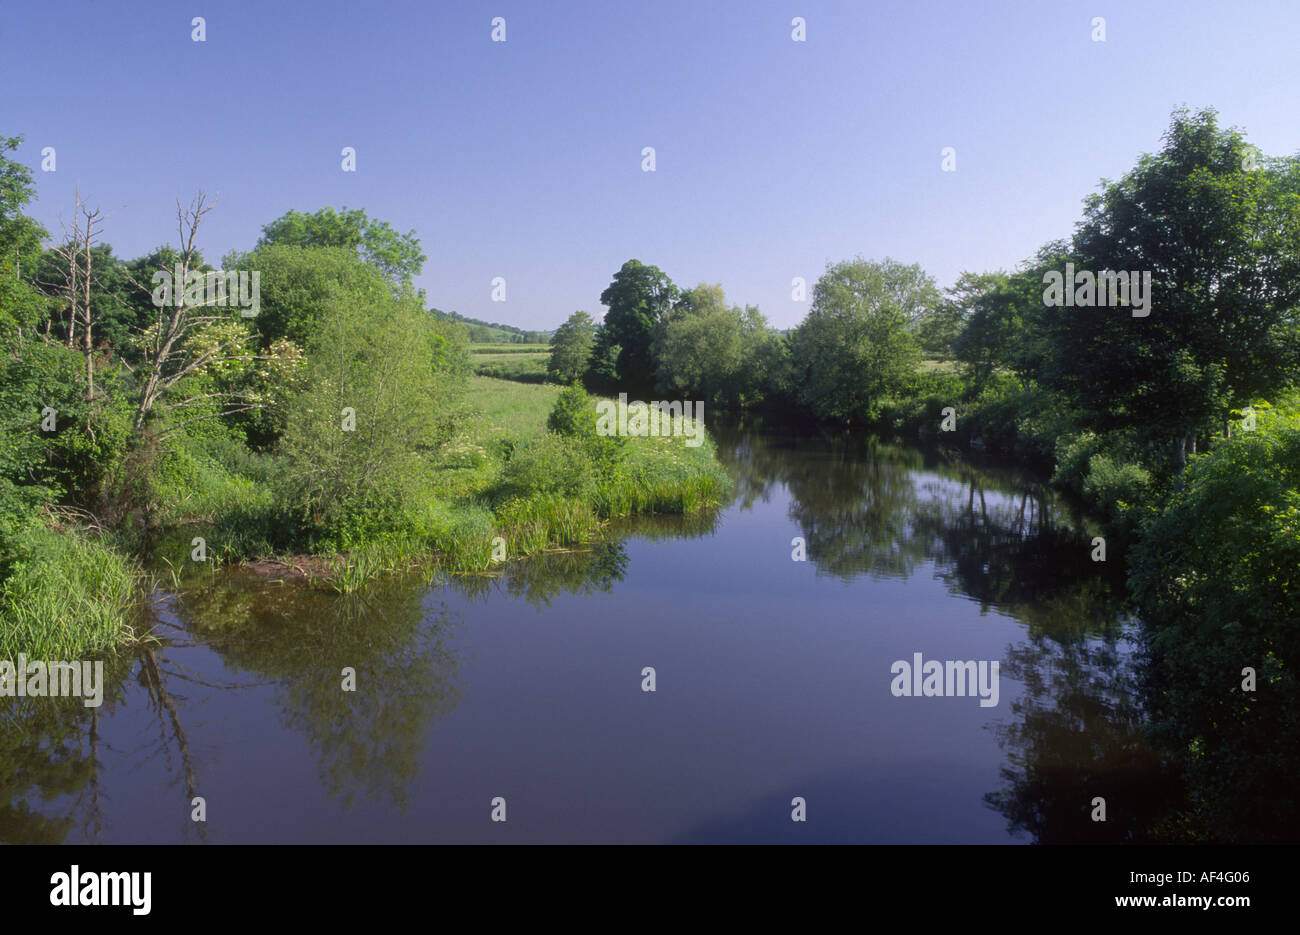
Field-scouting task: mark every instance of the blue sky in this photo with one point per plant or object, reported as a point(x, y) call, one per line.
point(523, 159)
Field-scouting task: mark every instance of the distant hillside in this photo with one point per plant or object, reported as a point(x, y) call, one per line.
point(484, 332)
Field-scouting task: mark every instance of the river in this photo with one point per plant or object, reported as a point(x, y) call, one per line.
point(520, 695)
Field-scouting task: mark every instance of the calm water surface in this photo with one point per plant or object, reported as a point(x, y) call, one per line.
point(772, 676)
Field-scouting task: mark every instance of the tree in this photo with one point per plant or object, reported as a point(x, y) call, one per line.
point(637, 299)
point(356, 437)
point(21, 307)
point(296, 284)
point(397, 256)
point(704, 347)
point(1221, 242)
point(573, 413)
point(76, 262)
point(857, 345)
point(187, 337)
point(571, 348)
point(20, 235)
point(39, 372)
point(989, 317)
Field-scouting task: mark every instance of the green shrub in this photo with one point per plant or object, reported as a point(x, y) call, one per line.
point(554, 465)
point(573, 414)
point(1215, 578)
point(1073, 452)
point(1121, 492)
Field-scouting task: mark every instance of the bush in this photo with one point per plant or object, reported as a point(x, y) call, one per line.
point(1073, 452)
point(557, 465)
point(1121, 492)
point(573, 413)
point(574, 416)
point(1215, 578)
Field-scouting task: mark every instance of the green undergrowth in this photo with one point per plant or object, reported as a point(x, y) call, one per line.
point(502, 484)
point(66, 594)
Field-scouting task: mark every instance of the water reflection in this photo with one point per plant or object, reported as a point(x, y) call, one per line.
point(866, 509)
point(1002, 539)
point(303, 639)
point(49, 753)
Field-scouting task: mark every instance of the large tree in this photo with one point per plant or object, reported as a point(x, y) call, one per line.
point(1219, 232)
point(705, 347)
point(858, 343)
point(637, 299)
point(297, 282)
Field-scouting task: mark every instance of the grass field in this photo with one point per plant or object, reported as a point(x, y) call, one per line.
point(523, 363)
point(510, 417)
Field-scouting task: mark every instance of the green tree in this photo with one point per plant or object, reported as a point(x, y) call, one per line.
point(571, 348)
point(298, 282)
point(357, 442)
point(857, 345)
point(20, 235)
point(397, 256)
point(704, 347)
point(637, 299)
point(989, 313)
point(1222, 244)
point(573, 413)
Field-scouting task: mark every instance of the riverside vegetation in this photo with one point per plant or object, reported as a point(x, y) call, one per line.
point(1179, 430)
point(1175, 421)
point(338, 433)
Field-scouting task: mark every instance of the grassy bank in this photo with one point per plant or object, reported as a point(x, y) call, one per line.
point(66, 594)
point(501, 485)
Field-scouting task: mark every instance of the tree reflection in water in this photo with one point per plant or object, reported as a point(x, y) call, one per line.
point(865, 508)
point(999, 537)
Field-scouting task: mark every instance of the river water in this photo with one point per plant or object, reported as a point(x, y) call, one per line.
point(522, 694)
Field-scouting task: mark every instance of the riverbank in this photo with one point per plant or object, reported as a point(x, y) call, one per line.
point(501, 487)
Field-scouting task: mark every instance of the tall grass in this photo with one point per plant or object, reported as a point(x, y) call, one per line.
point(66, 595)
point(502, 475)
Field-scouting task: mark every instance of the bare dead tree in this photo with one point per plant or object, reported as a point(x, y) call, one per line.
point(170, 356)
point(76, 254)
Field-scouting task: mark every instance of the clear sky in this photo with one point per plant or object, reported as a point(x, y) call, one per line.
point(522, 158)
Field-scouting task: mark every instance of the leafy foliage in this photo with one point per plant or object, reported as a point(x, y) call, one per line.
point(396, 256)
point(1216, 577)
point(637, 299)
point(571, 348)
point(857, 345)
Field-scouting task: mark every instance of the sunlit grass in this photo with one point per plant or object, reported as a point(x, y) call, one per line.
point(67, 595)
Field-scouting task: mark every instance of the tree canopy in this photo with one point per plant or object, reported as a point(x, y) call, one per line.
point(397, 256)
